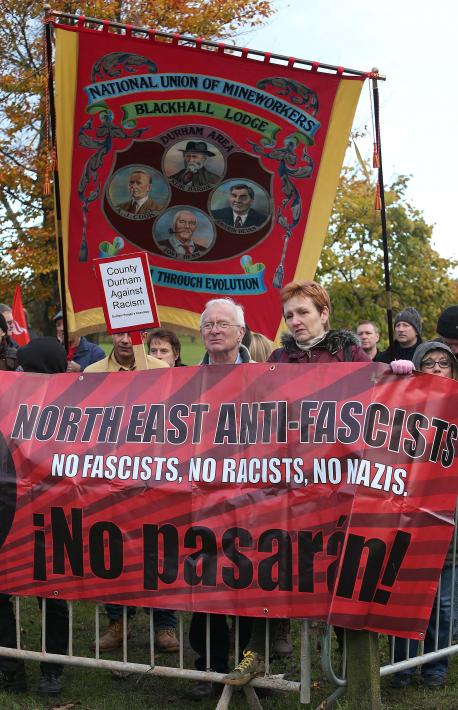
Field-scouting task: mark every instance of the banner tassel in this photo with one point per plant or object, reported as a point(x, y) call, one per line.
point(375, 157)
point(46, 184)
point(378, 199)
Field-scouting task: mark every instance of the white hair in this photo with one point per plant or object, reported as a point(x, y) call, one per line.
point(236, 307)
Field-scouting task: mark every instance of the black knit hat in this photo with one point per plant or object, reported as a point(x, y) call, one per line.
point(42, 355)
point(411, 316)
point(447, 325)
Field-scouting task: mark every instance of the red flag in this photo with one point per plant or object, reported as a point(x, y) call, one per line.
point(19, 333)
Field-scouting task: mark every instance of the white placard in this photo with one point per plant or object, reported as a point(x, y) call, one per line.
point(126, 293)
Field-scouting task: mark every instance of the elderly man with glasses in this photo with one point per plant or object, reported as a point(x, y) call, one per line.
point(222, 327)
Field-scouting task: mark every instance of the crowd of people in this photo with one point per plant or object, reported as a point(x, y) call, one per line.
point(226, 339)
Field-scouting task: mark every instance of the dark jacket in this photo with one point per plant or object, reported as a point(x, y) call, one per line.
point(202, 179)
point(44, 355)
point(87, 353)
point(399, 353)
point(226, 215)
point(243, 352)
point(8, 353)
point(147, 207)
point(337, 346)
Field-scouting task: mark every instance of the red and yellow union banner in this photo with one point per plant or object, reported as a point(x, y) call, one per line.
point(222, 168)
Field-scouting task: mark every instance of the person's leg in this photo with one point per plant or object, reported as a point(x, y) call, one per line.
point(252, 663)
point(115, 612)
point(112, 637)
point(56, 632)
point(219, 641)
point(245, 631)
point(280, 632)
point(257, 641)
point(56, 627)
point(219, 650)
point(165, 619)
point(12, 670)
point(435, 672)
point(403, 649)
point(165, 623)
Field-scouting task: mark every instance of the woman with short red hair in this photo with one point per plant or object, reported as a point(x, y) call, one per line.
point(306, 310)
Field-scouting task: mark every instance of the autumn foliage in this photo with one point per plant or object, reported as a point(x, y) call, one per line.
point(27, 245)
point(351, 263)
point(352, 259)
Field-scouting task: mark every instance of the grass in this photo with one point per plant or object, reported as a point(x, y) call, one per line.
point(192, 350)
point(88, 689)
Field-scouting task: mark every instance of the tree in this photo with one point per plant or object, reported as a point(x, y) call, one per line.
point(351, 264)
point(27, 245)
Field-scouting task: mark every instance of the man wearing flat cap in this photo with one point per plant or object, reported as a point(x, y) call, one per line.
point(195, 176)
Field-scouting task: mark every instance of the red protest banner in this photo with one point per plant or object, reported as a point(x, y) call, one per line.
point(266, 490)
point(223, 168)
point(20, 331)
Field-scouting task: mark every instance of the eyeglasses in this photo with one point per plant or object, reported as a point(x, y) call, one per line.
point(429, 364)
point(219, 324)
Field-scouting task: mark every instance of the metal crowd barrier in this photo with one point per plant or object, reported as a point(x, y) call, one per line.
point(337, 677)
point(268, 681)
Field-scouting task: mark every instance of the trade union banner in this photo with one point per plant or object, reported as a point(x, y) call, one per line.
point(267, 490)
point(222, 168)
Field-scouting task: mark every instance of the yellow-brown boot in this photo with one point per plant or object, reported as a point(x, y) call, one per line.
point(165, 640)
point(112, 638)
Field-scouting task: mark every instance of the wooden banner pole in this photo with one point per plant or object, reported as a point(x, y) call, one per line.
point(57, 204)
point(141, 362)
point(386, 260)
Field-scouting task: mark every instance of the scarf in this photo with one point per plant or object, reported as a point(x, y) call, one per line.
point(311, 343)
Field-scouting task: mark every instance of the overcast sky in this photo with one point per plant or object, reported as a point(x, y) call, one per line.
point(414, 44)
